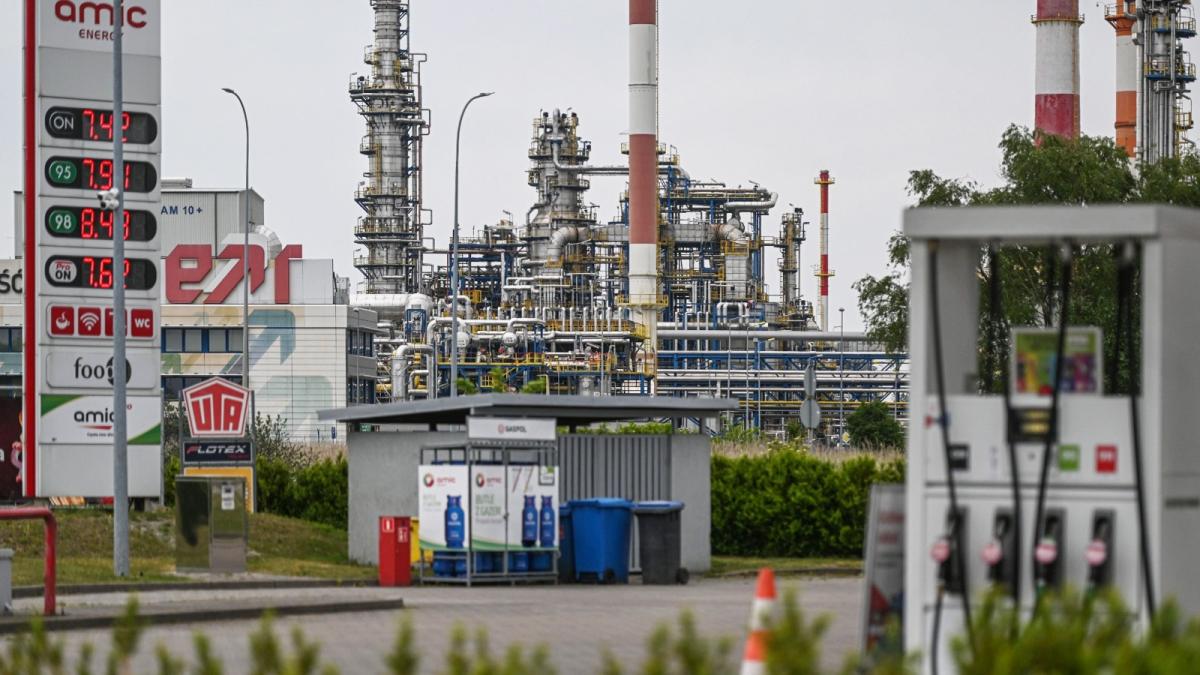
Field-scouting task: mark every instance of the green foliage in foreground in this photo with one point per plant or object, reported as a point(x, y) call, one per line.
point(1093, 633)
point(788, 504)
point(1072, 634)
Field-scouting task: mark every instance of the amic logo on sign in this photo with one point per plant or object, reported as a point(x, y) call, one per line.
point(480, 480)
point(217, 407)
point(428, 480)
point(97, 13)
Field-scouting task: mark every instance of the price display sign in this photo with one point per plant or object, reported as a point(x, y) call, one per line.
point(91, 124)
point(89, 271)
point(69, 229)
point(74, 222)
point(96, 173)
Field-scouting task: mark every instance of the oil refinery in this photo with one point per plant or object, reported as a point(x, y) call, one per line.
point(669, 296)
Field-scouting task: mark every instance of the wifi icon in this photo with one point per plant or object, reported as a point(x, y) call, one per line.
point(89, 321)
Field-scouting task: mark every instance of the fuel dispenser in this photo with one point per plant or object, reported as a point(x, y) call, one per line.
point(1053, 482)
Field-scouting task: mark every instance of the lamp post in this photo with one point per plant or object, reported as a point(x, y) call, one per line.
point(245, 250)
point(454, 254)
point(842, 372)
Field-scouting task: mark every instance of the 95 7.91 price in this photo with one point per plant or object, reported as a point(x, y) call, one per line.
point(95, 173)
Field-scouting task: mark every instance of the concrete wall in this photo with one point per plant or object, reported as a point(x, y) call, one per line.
point(691, 483)
point(383, 481)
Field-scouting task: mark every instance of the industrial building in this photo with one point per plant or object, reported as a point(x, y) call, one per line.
point(671, 296)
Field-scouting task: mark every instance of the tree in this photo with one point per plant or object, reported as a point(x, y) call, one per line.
point(874, 426)
point(1035, 170)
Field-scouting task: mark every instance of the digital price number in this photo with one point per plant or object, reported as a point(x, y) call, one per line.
point(90, 124)
point(94, 173)
point(94, 223)
point(97, 272)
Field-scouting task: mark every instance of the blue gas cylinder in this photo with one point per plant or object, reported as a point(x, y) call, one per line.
point(455, 522)
point(547, 526)
point(529, 523)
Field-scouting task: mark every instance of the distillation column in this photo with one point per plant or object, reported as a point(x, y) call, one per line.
point(823, 272)
point(643, 173)
point(1123, 17)
point(1166, 73)
point(389, 99)
point(1057, 80)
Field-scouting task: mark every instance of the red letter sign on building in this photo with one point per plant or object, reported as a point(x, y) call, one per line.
point(217, 408)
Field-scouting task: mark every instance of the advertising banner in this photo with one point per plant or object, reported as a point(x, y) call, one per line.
point(883, 599)
point(88, 420)
point(532, 493)
point(443, 494)
point(489, 509)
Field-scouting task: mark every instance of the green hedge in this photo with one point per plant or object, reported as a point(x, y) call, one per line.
point(318, 492)
point(787, 503)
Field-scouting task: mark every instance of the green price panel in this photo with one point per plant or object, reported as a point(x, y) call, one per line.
point(89, 222)
point(96, 173)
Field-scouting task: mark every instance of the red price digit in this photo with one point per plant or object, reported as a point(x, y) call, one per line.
point(125, 118)
point(106, 123)
point(87, 223)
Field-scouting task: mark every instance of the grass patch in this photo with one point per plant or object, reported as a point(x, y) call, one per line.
point(278, 545)
point(733, 565)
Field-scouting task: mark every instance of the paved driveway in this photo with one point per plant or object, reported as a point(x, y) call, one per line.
point(577, 623)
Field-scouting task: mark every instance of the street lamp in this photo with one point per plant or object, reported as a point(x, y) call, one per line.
point(842, 372)
point(454, 254)
point(245, 250)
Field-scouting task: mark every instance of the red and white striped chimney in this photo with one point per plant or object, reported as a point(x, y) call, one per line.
point(823, 275)
point(643, 171)
point(1057, 82)
point(1123, 16)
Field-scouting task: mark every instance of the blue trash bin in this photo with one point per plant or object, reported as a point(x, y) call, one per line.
point(566, 549)
point(601, 539)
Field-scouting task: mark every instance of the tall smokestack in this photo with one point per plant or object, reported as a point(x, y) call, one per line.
point(1057, 87)
point(643, 173)
point(1123, 16)
point(823, 275)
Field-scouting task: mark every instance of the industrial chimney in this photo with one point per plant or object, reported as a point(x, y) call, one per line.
point(643, 173)
point(823, 272)
point(1057, 81)
point(1123, 16)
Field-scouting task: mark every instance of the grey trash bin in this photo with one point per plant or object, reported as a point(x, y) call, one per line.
point(659, 535)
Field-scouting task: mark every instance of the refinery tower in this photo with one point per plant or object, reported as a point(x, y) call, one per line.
point(389, 100)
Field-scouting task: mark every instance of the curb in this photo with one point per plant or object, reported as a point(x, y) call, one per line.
point(796, 572)
point(62, 622)
point(21, 592)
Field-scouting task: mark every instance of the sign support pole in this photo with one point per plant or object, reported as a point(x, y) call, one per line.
point(32, 272)
point(120, 434)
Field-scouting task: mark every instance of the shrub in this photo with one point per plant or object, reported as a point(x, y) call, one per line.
point(786, 503)
point(874, 426)
point(319, 492)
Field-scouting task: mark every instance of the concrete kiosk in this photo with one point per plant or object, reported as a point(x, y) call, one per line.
point(384, 461)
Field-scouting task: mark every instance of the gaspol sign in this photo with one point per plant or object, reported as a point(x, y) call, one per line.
point(70, 419)
point(511, 429)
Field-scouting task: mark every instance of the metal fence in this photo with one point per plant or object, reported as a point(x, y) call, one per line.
point(637, 468)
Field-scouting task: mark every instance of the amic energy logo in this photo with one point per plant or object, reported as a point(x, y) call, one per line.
point(217, 408)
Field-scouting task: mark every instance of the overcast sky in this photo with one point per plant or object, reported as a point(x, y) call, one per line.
point(764, 90)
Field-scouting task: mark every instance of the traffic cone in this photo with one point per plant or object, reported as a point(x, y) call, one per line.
point(754, 660)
